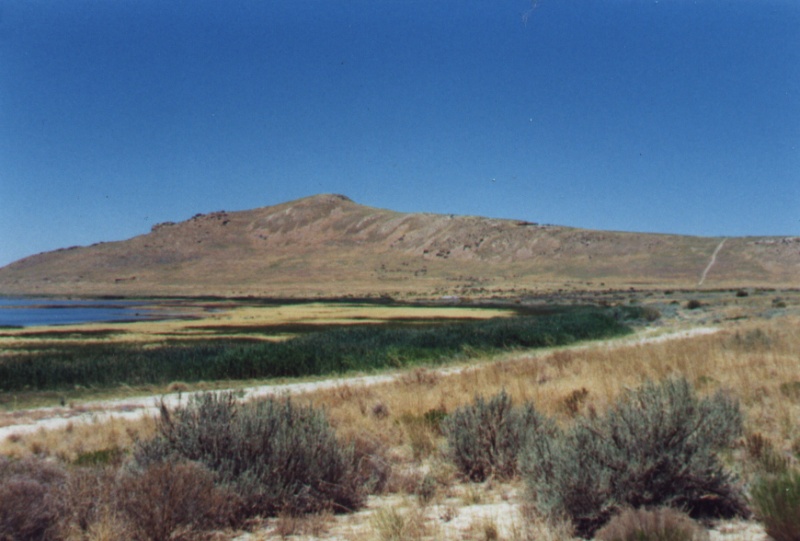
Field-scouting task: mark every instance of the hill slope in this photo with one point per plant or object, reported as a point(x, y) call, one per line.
point(327, 245)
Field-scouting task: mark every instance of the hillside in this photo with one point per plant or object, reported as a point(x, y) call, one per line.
point(328, 245)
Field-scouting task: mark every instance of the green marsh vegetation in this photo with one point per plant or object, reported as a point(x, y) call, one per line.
point(62, 367)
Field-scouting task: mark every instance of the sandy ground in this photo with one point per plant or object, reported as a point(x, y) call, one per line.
point(467, 512)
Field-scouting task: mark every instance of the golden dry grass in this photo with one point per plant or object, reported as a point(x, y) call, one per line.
point(756, 361)
point(211, 323)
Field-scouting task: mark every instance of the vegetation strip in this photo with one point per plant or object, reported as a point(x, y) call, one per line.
point(361, 348)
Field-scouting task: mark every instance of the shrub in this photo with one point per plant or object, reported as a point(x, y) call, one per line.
point(31, 500)
point(373, 468)
point(278, 457)
point(693, 304)
point(484, 439)
point(662, 524)
point(656, 446)
point(777, 503)
point(171, 500)
point(90, 496)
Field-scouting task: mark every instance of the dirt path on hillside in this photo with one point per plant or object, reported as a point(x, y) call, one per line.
point(53, 418)
point(711, 263)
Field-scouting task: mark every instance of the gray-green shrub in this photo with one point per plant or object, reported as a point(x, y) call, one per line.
point(484, 438)
point(657, 446)
point(277, 456)
point(777, 503)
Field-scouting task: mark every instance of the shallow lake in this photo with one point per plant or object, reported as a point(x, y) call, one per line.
point(27, 312)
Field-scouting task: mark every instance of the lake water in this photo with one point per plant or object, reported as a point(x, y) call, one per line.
point(27, 312)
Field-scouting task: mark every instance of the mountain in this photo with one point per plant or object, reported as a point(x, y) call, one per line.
point(328, 245)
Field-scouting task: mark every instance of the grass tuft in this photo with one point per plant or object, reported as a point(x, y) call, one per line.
point(661, 524)
point(777, 503)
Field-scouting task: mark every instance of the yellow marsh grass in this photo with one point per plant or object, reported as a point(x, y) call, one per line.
point(320, 313)
point(759, 362)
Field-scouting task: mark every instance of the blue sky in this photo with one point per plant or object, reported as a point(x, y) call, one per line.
point(660, 116)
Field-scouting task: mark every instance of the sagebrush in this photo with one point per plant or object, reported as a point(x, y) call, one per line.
point(276, 456)
point(485, 438)
point(656, 447)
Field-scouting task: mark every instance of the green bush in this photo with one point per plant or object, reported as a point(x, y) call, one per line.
point(777, 503)
point(657, 446)
point(485, 438)
point(278, 457)
point(662, 524)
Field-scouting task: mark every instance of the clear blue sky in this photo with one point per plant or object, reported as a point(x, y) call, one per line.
point(661, 115)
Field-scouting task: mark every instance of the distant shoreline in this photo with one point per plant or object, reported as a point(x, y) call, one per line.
point(24, 312)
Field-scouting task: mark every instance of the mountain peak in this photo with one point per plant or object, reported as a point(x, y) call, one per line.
point(323, 199)
point(328, 245)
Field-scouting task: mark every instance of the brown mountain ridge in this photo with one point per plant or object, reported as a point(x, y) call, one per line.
point(328, 245)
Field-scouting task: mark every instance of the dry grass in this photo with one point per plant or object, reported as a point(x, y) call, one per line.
point(757, 361)
point(392, 524)
point(80, 440)
point(663, 524)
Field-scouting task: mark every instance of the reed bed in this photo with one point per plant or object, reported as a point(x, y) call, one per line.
point(357, 348)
